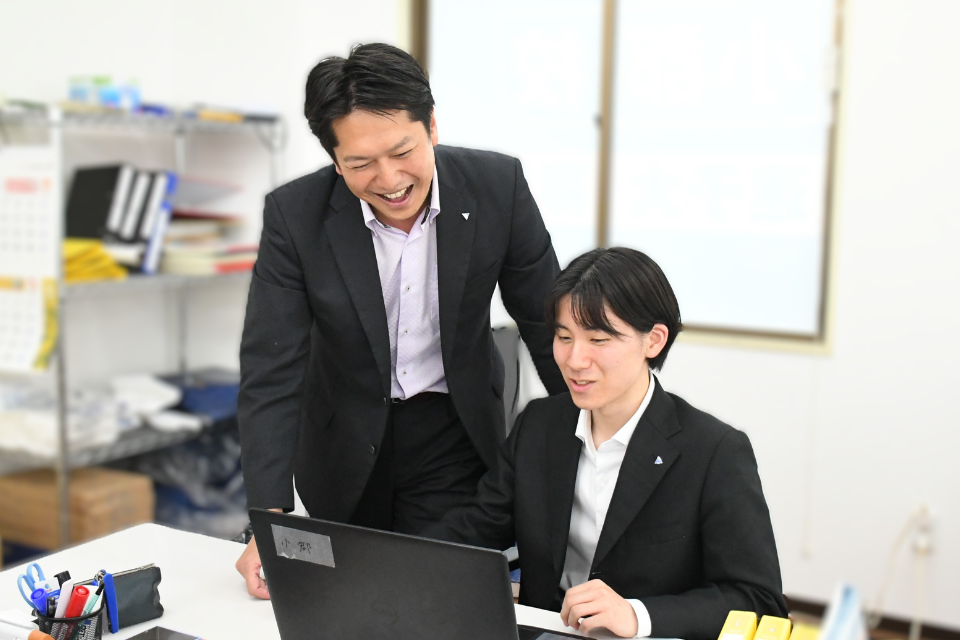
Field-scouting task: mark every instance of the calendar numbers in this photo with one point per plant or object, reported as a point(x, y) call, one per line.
point(29, 250)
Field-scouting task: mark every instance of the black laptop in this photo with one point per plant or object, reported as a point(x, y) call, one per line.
point(337, 581)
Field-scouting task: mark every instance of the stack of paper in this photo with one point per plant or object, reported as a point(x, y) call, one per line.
point(207, 258)
point(87, 261)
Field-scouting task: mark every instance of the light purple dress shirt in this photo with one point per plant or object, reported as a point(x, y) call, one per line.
point(408, 279)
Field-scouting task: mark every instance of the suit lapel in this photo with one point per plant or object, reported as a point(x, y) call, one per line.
point(454, 248)
point(353, 250)
point(563, 454)
point(639, 473)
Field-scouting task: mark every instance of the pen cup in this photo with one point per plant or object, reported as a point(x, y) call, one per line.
point(88, 627)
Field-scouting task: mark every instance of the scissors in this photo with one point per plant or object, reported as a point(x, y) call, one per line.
point(32, 579)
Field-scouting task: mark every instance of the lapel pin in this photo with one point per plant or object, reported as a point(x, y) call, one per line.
point(466, 216)
point(658, 461)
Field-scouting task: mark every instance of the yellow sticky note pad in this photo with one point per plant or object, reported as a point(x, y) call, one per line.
point(771, 628)
point(804, 632)
point(740, 625)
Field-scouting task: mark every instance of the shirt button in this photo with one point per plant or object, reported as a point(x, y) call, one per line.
point(373, 450)
point(404, 372)
point(407, 288)
point(406, 331)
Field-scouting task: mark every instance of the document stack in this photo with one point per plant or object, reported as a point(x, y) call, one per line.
point(127, 208)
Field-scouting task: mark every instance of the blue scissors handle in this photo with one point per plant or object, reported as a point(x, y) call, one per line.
point(32, 579)
point(22, 582)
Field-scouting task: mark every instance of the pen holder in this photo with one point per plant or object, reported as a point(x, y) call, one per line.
point(88, 627)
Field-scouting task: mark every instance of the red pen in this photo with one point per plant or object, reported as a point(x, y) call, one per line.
point(77, 600)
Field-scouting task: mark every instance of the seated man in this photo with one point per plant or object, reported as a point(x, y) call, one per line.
point(632, 510)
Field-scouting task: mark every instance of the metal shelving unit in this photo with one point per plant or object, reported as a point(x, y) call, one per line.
point(129, 443)
point(271, 133)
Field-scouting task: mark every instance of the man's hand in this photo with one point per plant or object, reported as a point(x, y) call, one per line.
point(599, 606)
point(249, 567)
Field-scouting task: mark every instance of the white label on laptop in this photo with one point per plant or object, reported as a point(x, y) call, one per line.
point(303, 545)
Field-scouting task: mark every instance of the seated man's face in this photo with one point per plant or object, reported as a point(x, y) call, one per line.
point(386, 160)
point(601, 370)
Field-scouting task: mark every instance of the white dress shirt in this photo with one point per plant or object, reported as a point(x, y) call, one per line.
point(597, 475)
point(408, 278)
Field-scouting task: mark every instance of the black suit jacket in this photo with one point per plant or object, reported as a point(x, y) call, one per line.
point(315, 355)
point(690, 538)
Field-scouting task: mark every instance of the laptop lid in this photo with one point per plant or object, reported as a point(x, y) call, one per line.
point(332, 580)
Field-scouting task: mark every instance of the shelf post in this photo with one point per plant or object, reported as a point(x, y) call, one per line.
point(182, 322)
point(63, 445)
point(179, 148)
point(276, 146)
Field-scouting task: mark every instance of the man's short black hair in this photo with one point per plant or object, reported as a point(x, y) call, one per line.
point(628, 282)
point(375, 77)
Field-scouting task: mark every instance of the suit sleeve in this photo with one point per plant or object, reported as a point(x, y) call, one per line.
point(740, 564)
point(525, 279)
point(487, 520)
point(274, 352)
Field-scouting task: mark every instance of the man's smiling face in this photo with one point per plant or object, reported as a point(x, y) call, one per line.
point(387, 160)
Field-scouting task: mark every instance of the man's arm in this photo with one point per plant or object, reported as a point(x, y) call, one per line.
point(487, 520)
point(274, 353)
point(526, 276)
point(740, 562)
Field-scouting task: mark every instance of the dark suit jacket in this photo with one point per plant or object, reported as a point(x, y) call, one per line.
point(690, 538)
point(315, 355)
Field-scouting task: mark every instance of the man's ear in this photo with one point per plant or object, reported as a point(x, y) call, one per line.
point(336, 165)
point(656, 340)
point(434, 136)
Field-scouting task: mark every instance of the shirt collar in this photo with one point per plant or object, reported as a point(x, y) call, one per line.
point(623, 435)
point(372, 223)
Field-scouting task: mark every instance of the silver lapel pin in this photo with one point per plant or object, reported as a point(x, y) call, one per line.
point(466, 216)
point(658, 461)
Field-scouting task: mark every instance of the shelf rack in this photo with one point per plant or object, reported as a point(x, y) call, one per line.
point(130, 443)
point(270, 132)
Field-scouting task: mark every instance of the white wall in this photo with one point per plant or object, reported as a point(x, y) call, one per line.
point(182, 52)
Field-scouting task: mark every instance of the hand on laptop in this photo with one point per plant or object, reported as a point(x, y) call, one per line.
point(249, 567)
point(598, 606)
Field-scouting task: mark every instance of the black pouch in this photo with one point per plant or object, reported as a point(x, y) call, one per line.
point(136, 597)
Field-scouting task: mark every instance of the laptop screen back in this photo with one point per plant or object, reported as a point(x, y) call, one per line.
point(331, 580)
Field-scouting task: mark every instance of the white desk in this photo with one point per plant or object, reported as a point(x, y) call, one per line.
point(201, 592)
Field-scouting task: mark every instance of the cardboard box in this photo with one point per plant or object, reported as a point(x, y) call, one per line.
point(101, 501)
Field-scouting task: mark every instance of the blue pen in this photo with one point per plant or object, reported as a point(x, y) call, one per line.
point(39, 599)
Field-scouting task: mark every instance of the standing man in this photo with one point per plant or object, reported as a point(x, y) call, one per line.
point(368, 367)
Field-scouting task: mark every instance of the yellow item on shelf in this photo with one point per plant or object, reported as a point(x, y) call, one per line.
point(805, 632)
point(51, 301)
point(773, 628)
point(740, 625)
point(88, 261)
point(216, 115)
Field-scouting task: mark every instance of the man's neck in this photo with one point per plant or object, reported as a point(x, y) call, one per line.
point(606, 421)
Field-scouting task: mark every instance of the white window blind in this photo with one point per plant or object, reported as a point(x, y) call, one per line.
point(720, 145)
point(523, 78)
